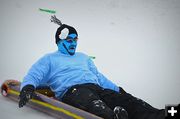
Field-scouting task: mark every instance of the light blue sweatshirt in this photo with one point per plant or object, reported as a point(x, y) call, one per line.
point(62, 71)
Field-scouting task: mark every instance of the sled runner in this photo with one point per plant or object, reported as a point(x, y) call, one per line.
point(44, 101)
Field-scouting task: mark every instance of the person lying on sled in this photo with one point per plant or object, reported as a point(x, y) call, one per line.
point(75, 80)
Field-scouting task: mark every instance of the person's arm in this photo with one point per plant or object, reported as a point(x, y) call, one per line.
point(102, 80)
point(37, 73)
point(34, 77)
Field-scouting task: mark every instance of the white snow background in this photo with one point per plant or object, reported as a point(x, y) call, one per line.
point(136, 44)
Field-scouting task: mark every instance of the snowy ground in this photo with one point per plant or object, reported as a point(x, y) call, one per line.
point(136, 44)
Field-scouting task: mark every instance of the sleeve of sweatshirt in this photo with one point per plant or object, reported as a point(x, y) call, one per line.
point(37, 73)
point(102, 80)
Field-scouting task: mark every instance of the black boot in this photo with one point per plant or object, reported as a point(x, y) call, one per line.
point(120, 113)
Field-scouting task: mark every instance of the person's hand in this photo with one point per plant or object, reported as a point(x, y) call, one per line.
point(26, 94)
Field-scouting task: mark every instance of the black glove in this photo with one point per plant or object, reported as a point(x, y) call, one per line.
point(26, 94)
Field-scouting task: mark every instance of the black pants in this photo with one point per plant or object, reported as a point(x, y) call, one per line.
point(85, 96)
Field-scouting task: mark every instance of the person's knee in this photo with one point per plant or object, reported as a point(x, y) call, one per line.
point(120, 113)
point(98, 107)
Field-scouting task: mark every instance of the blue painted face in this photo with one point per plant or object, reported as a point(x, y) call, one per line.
point(68, 45)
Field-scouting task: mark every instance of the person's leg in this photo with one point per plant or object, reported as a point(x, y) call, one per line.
point(137, 100)
point(136, 108)
point(85, 99)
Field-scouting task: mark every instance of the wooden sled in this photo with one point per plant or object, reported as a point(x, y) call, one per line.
point(44, 101)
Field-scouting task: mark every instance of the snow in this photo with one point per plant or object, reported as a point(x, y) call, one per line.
point(135, 42)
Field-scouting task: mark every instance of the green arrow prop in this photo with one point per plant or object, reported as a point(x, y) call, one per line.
point(92, 57)
point(47, 10)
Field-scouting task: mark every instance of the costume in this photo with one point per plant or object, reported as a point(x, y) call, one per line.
point(61, 71)
point(76, 81)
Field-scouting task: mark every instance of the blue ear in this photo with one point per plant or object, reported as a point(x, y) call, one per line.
point(72, 35)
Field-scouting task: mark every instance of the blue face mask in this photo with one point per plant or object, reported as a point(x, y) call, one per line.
point(68, 45)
